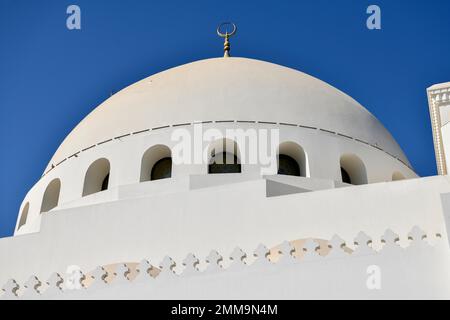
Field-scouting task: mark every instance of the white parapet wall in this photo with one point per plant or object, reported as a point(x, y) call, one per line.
point(220, 218)
point(325, 270)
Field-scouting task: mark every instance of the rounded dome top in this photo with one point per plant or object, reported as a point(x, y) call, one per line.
point(227, 89)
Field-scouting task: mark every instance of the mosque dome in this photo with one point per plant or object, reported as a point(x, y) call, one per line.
point(139, 181)
point(230, 89)
point(325, 139)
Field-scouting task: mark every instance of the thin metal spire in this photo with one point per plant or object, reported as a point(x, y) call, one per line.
point(226, 36)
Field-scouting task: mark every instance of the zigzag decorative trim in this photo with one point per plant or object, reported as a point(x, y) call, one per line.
point(335, 248)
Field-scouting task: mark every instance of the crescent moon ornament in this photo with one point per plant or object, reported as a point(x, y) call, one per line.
point(226, 32)
point(226, 36)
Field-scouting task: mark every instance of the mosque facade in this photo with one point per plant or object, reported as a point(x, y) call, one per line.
point(233, 178)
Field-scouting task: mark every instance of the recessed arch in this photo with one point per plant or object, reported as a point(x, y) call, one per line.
point(97, 177)
point(24, 215)
point(51, 196)
point(224, 157)
point(292, 160)
point(397, 176)
point(156, 163)
point(353, 170)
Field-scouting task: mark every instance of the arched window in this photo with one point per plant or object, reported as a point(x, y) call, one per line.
point(105, 183)
point(162, 169)
point(353, 170)
point(97, 177)
point(292, 160)
point(24, 215)
point(224, 157)
point(345, 176)
point(51, 196)
point(156, 163)
point(397, 176)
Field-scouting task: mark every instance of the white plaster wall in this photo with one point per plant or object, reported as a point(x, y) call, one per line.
point(323, 150)
point(219, 218)
point(227, 89)
point(419, 272)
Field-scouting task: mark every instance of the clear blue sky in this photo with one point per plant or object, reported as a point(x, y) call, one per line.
point(50, 77)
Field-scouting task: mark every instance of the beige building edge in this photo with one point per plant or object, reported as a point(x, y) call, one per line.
point(439, 103)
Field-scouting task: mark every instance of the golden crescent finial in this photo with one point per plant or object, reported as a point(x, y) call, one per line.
point(226, 45)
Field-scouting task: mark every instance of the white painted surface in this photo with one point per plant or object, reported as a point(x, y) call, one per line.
point(323, 149)
point(221, 218)
point(227, 89)
point(234, 89)
point(196, 212)
point(418, 270)
point(416, 273)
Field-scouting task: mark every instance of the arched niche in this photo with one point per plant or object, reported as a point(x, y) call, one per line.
point(156, 163)
point(97, 177)
point(292, 160)
point(353, 170)
point(224, 157)
point(51, 196)
point(24, 215)
point(397, 176)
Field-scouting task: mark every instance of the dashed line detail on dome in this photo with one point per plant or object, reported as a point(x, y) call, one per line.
point(345, 136)
point(61, 162)
point(288, 124)
point(181, 124)
point(308, 127)
point(122, 136)
point(158, 128)
point(266, 122)
point(103, 142)
point(75, 155)
point(224, 121)
point(328, 131)
point(86, 149)
point(141, 131)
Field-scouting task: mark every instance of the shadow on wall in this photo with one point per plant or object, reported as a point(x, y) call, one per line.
point(396, 176)
point(224, 157)
point(51, 196)
point(156, 163)
point(97, 177)
point(292, 160)
point(353, 170)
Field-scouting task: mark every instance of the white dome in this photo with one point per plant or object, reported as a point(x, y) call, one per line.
point(227, 89)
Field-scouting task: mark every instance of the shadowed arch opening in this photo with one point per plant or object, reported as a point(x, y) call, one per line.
point(397, 176)
point(292, 160)
point(97, 177)
point(224, 157)
point(156, 163)
point(24, 215)
point(353, 170)
point(51, 196)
